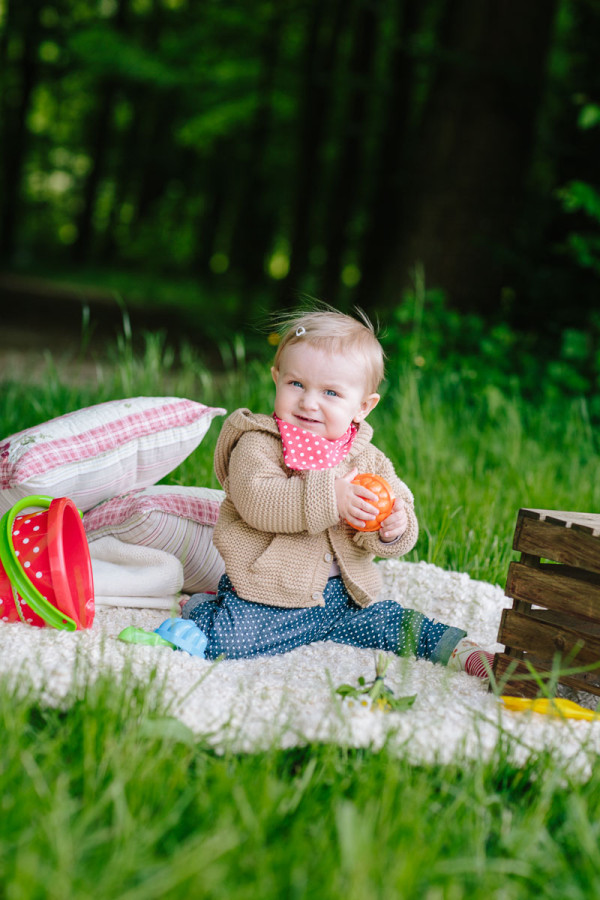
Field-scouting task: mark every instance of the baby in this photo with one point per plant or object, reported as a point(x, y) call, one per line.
point(297, 570)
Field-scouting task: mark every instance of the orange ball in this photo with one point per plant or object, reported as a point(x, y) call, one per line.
point(384, 502)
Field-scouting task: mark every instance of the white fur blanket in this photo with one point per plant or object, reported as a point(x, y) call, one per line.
point(290, 699)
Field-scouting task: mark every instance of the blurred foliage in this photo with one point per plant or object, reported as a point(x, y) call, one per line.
point(424, 335)
point(264, 149)
point(583, 246)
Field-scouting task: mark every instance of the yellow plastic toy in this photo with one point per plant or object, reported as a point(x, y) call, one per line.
point(558, 707)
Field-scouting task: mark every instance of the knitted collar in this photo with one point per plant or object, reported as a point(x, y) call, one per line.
point(304, 450)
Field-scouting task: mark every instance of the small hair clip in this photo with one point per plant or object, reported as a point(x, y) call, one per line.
point(300, 330)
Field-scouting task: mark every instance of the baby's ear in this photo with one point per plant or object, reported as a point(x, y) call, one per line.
point(274, 374)
point(367, 405)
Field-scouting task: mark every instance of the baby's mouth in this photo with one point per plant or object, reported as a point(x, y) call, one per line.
point(308, 419)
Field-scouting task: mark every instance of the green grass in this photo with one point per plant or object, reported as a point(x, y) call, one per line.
point(114, 800)
point(110, 798)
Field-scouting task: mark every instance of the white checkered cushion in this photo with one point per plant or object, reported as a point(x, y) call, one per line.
point(102, 451)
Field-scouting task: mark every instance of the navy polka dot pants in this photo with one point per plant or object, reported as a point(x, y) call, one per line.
point(238, 628)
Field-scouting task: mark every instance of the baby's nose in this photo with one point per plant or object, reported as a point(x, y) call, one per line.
point(310, 400)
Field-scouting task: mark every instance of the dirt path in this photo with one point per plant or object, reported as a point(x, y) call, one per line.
point(38, 317)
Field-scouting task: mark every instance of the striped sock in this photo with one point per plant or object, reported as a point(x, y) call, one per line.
point(469, 657)
point(476, 663)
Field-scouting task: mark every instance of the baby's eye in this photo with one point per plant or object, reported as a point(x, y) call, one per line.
point(296, 383)
point(331, 393)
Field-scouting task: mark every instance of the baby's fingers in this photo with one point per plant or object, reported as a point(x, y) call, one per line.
point(362, 509)
point(362, 512)
point(364, 501)
point(362, 492)
point(395, 524)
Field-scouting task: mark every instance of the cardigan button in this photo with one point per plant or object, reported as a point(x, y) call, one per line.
point(328, 557)
point(316, 596)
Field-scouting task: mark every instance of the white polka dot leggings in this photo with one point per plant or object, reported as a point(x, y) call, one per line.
point(237, 628)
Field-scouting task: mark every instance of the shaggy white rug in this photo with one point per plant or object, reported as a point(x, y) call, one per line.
point(287, 700)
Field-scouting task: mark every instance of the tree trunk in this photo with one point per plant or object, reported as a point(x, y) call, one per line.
point(213, 186)
point(125, 177)
point(134, 141)
point(475, 150)
point(323, 35)
point(99, 144)
point(347, 176)
point(100, 141)
point(252, 230)
point(23, 18)
point(159, 157)
point(390, 177)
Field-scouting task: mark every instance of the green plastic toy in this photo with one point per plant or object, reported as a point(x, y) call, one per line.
point(132, 635)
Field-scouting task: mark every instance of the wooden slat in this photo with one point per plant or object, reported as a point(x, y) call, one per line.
point(588, 522)
point(549, 540)
point(544, 640)
point(554, 569)
point(562, 620)
point(553, 591)
point(589, 681)
point(512, 687)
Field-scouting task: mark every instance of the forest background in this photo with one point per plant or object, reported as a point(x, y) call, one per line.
point(213, 160)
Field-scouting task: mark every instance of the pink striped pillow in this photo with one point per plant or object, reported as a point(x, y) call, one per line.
point(178, 520)
point(101, 451)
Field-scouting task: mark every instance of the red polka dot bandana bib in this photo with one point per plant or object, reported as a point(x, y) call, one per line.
point(304, 450)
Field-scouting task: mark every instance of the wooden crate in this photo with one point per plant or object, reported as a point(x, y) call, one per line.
point(555, 589)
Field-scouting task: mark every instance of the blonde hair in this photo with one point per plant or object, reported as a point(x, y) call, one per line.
point(334, 332)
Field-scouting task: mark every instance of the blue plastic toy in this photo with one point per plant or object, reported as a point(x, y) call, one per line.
point(185, 635)
point(178, 634)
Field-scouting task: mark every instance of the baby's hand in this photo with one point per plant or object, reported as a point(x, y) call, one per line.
point(353, 500)
point(395, 524)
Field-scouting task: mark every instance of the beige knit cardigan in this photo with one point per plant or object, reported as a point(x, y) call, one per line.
point(279, 528)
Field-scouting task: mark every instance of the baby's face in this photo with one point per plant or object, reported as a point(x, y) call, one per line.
point(320, 392)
